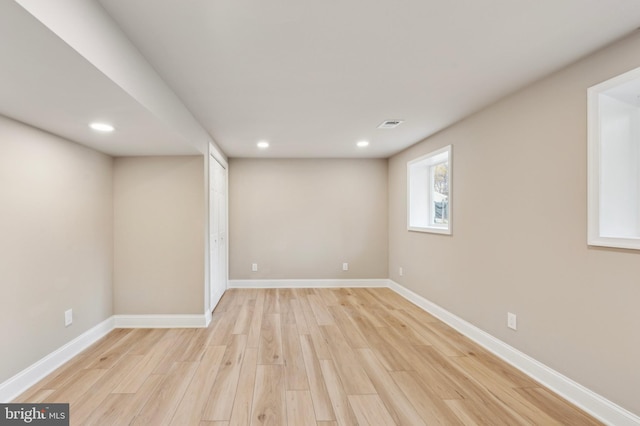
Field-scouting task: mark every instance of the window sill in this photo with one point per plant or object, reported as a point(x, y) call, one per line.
point(621, 243)
point(431, 229)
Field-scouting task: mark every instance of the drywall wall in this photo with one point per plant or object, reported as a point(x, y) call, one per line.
point(159, 214)
point(301, 219)
point(520, 232)
point(55, 242)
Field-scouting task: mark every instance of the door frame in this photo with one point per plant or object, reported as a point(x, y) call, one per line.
point(214, 155)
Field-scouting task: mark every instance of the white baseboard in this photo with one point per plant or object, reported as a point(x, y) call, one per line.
point(31, 375)
point(288, 283)
point(161, 321)
point(594, 404)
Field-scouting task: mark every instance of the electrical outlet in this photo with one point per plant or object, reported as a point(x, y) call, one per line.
point(512, 321)
point(345, 266)
point(400, 271)
point(68, 317)
point(254, 267)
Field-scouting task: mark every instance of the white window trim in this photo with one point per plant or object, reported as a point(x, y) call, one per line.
point(432, 159)
point(594, 238)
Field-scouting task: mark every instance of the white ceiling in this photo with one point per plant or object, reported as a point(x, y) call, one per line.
point(312, 78)
point(45, 83)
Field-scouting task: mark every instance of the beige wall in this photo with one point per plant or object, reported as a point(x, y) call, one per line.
point(159, 214)
point(55, 242)
point(519, 233)
point(304, 218)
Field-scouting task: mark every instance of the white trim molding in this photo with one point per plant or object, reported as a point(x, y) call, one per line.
point(161, 321)
point(612, 197)
point(421, 192)
point(320, 283)
point(31, 375)
point(594, 404)
point(216, 298)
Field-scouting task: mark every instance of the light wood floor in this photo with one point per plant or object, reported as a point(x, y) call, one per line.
point(301, 357)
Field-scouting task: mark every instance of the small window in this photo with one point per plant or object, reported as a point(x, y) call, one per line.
point(614, 162)
point(429, 192)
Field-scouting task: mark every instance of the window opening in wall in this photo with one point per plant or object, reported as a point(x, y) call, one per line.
point(429, 192)
point(614, 162)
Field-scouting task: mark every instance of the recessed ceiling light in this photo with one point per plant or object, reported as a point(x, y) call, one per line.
point(102, 127)
point(362, 144)
point(263, 144)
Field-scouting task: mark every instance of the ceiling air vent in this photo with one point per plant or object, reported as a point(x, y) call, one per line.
point(390, 124)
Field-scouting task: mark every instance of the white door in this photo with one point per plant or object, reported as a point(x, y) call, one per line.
point(217, 231)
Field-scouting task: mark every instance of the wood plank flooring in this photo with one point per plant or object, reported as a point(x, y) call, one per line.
point(301, 357)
